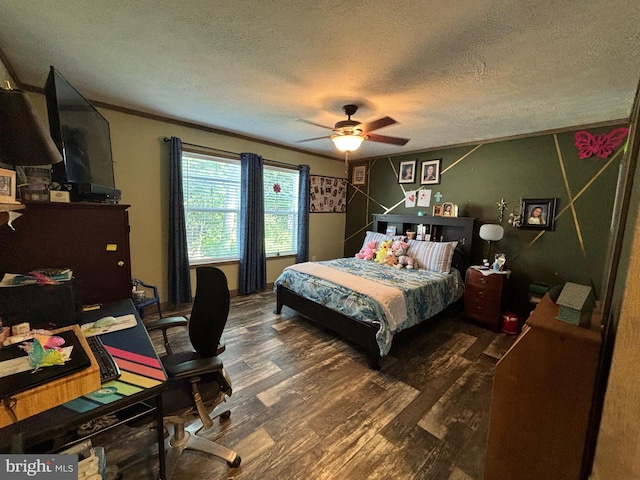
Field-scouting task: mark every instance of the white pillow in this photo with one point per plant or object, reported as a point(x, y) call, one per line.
point(434, 256)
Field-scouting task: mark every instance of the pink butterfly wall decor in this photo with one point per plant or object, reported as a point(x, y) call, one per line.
point(599, 145)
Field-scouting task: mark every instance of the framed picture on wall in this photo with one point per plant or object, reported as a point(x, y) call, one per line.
point(358, 175)
point(430, 173)
point(7, 186)
point(407, 172)
point(328, 194)
point(538, 213)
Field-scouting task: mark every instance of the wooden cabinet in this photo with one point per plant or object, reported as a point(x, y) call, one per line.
point(484, 297)
point(542, 393)
point(90, 238)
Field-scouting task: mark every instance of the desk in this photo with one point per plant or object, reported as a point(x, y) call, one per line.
point(542, 393)
point(143, 380)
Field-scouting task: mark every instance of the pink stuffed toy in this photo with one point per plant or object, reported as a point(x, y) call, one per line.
point(399, 249)
point(368, 252)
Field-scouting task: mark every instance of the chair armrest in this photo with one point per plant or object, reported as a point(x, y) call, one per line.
point(193, 368)
point(145, 284)
point(167, 322)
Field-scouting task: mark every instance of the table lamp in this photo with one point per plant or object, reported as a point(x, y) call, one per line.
point(491, 233)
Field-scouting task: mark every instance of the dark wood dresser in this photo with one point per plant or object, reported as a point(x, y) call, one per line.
point(484, 297)
point(542, 393)
point(90, 238)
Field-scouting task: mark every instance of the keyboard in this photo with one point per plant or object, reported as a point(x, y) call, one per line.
point(108, 368)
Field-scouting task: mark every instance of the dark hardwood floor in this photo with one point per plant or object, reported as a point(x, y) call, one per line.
point(306, 406)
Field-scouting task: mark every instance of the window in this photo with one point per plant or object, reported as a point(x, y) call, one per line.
point(211, 190)
point(281, 210)
point(212, 208)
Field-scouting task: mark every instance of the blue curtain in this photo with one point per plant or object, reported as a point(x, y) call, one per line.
point(179, 279)
point(253, 259)
point(302, 255)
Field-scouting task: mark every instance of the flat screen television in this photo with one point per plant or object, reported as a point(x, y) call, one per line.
point(83, 137)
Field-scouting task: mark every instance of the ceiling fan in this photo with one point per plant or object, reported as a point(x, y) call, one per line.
point(349, 134)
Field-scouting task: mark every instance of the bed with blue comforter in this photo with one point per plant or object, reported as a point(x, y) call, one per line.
point(365, 301)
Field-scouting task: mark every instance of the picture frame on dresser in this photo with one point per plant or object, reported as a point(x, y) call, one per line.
point(8, 186)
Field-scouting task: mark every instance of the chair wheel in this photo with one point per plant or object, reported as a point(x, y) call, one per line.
point(225, 415)
point(235, 463)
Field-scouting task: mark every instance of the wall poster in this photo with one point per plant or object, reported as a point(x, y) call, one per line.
point(328, 194)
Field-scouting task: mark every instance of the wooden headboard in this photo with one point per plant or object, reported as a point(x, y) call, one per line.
point(446, 229)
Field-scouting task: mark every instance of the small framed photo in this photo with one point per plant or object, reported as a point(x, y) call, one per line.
point(359, 175)
point(7, 186)
point(538, 213)
point(430, 172)
point(449, 209)
point(407, 172)
point(391, 230)
point(437, 210)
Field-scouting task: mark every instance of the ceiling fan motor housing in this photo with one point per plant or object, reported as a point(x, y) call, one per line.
point(347, 127)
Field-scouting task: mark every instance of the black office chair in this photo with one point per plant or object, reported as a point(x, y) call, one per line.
point(197, 380)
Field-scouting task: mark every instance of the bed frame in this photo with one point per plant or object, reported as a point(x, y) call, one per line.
point(364, 334)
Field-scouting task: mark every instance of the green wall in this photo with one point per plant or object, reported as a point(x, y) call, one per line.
point(477, 177)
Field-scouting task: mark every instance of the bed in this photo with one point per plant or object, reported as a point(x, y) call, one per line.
point(368, 303)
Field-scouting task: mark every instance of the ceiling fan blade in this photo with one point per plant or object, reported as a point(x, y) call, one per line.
point(386, 139)
point(376, 124)
point(315, 124)
point(311, 139)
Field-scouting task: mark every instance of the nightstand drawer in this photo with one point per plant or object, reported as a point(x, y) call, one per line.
point(475, 277)
point(482, 309)
point(480, 292)
point(484, 297)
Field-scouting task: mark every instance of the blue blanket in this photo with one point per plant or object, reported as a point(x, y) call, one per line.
point(426, 293)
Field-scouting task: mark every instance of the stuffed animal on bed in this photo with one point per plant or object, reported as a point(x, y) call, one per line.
point(390, 259)
point(368, 252)
point(400, 250)
point(381, 254)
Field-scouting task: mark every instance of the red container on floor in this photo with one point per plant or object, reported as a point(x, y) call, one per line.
point(510, 323)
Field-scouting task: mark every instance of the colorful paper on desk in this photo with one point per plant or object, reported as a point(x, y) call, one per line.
point(24, 380)
point(137, 373)
point(123, 322)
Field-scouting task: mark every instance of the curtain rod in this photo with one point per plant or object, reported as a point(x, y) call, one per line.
point(272, 162)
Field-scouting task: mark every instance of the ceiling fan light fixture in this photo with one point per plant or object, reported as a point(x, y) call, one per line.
point(347, 143)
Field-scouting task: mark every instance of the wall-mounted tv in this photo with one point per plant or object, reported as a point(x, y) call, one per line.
point(83, 137)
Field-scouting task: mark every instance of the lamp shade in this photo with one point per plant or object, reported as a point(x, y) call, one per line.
point(24, 140)
point(347, 143)
point(491, 232)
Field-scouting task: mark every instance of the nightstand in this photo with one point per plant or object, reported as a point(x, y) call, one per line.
point(484, 296)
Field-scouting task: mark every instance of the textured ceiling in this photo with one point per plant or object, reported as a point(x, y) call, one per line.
point(448, 71)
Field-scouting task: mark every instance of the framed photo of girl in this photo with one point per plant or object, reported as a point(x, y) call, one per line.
point(7, 186)
point(449, 209)
point(407, 172)
point(538, 213)
point(430, 172)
